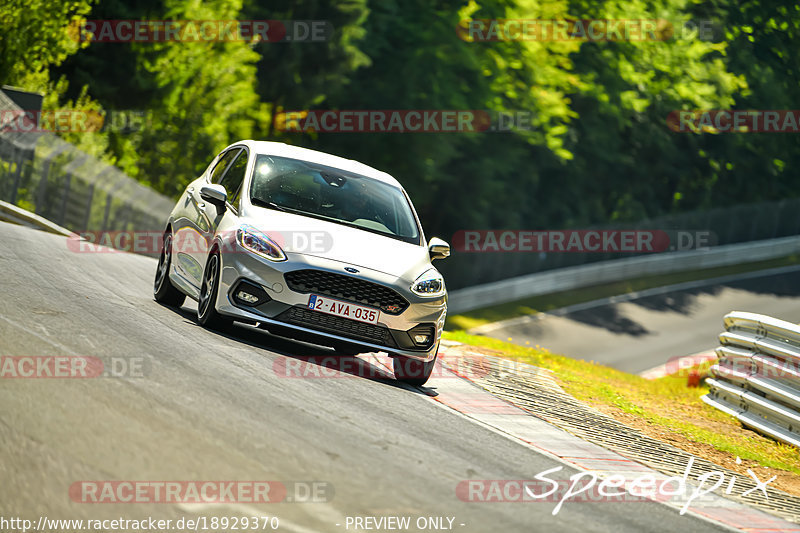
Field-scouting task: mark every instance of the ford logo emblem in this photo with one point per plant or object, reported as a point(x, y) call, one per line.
point(351, 270)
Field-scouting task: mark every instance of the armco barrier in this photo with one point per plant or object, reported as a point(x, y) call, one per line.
point(42, 173)
point(724, 225)
point(513, 289)
point(757, 375)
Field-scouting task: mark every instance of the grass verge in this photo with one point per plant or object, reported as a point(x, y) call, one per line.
point(664, 408)
point(548, 302)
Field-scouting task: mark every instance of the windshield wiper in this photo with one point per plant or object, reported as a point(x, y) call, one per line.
point(271, 205)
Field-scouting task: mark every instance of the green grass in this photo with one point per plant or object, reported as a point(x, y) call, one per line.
point(665, 403)
point(548, 302)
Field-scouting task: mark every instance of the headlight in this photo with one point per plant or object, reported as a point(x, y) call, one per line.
point(258, 243)
point(431, 283)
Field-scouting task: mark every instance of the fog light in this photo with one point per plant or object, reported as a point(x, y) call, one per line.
point(247, 297)
point(421, 339)
point(247, 294)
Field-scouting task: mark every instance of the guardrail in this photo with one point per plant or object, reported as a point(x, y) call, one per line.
point(577, 277)
point(44, 174)
point(728, 224)
point(757, 375)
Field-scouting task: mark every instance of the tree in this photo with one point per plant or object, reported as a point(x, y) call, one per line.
point(37, 34)
point(294, 75)
point(196, 97)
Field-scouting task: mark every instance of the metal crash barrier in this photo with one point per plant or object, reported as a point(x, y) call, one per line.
point(757, 375)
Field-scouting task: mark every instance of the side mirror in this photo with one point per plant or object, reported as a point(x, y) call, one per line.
point(438, 248)
point(215, 194)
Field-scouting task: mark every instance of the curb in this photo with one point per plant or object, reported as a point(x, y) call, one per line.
point(507, 416)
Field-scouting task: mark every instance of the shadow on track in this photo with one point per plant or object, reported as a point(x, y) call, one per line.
point(301, 359)
point(683, 302)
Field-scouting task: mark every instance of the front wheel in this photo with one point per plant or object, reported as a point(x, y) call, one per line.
point(164, 291)
point(412, 371)
point(207, 313)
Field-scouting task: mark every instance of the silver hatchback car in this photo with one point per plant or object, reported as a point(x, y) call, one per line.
point(310, 246)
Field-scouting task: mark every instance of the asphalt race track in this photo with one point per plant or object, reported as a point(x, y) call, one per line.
point(638, 334)
point(207, 406)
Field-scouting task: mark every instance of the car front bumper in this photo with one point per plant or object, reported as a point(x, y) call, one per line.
point(286, 311)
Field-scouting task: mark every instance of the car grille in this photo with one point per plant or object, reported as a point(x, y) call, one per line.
point(352, 329)
point(347, 288)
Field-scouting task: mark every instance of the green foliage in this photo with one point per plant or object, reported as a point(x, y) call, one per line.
point(36, 37)
point(37, 34)
point(599, 149)
point(206, 99)
point(625, 154)
point(294, 76)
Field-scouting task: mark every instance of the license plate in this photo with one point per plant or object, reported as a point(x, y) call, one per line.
point(331, 306)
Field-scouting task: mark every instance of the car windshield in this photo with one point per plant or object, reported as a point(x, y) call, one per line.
point(333, 194)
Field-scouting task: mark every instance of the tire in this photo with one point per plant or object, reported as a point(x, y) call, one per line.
point(207, 314)
point(164, 291)
point(411, 371)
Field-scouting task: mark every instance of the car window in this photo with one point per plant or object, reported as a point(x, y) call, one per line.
point(233, 178)
point(333, 194)
point(222, 164)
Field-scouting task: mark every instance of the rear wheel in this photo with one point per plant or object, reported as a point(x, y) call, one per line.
point(412, 371)
point(164, 291)
point(207, 313)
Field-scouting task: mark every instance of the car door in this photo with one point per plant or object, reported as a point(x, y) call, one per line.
point(192, 228)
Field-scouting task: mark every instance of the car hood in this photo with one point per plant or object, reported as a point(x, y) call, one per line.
point(337, 242)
